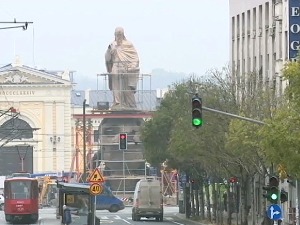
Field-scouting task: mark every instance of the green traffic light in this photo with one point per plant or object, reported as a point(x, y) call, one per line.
point(274, 196)
point(197, 122)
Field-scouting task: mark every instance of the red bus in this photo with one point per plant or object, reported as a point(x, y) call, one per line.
point(21, 199)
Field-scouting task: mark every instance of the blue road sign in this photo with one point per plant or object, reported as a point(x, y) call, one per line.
point(274, 212)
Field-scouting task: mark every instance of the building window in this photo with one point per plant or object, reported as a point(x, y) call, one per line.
point(96, 136)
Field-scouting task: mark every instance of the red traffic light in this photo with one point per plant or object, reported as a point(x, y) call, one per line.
point(123, 136)
point(233, 180)
point(123, 141)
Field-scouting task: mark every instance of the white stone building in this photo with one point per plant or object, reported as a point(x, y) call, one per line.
point(35, 135)
point(264, 35)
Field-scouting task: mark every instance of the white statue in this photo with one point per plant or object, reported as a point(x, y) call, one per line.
point(122, 64)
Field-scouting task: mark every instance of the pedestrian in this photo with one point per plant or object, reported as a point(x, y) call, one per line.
point(66, 218)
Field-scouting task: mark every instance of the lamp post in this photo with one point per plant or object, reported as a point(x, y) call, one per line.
point(84, 143)
point(54, 140)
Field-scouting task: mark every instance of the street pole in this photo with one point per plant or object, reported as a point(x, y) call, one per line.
point(235, 116)
point(297, 201)
point(94, 219)
point(187, 190)
point(84, 143)
point(22, 160)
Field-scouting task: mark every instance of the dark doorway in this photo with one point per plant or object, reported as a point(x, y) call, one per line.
point(15, 158)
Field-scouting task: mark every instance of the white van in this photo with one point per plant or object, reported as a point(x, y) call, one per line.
point(147, 200)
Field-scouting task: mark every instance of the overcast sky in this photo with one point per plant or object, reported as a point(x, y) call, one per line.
point(189, 36)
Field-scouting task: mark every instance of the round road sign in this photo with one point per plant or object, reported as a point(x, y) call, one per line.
point(96, 189)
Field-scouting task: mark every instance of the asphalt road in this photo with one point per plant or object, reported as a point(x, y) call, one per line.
point(123, 217)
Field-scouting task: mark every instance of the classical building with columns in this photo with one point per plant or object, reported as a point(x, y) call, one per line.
point(35, 122)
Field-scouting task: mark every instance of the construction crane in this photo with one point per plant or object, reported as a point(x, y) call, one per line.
point(47, 185)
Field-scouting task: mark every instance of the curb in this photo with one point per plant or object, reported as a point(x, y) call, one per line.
point(182, 217)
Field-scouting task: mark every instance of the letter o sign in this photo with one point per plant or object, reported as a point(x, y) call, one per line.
point(295, 28)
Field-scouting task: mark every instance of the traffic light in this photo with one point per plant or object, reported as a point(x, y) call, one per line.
point(283, 196)
point(197, 112)
point(272, 190)
point(123, 141)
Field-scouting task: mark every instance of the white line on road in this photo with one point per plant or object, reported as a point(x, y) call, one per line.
point(126, 221)
point(117, 217)
point(168, 218)
point(177, 223)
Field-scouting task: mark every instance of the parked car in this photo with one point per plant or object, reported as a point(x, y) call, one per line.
point(108, 201)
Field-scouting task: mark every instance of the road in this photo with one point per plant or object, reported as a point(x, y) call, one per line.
point(47, 217)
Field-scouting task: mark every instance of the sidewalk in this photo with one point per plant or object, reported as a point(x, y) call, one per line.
point(233, 221)
point(182, 217)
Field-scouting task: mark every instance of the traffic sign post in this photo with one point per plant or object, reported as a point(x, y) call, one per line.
point(96, 189)
point(274, 212)
point(96, 176)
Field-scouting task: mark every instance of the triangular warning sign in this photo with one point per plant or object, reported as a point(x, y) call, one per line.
point(96, 176)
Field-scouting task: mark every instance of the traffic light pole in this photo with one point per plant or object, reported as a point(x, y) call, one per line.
point(84, 177)
point(233, 115)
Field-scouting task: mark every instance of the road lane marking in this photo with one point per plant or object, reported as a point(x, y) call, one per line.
point(106, 221)
point(126, 221)
point(117, 217)
point(168, 218)
point(177, 223)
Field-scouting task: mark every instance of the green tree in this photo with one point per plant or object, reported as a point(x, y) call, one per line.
point(280, 137)
point(243, 139)
point(170, 135)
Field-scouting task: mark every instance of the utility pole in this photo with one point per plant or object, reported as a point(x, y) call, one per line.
point(84, 143)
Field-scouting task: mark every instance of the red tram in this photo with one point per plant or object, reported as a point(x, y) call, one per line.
point(21, 199)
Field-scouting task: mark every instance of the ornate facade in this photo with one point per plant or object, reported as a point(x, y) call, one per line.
point(41, 103)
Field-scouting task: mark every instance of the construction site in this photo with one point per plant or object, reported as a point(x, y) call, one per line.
point(97, 129)
point(74, 133)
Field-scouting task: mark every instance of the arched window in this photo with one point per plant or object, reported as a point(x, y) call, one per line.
point(15, 128)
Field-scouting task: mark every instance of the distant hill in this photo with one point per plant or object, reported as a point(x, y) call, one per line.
point(160, 79)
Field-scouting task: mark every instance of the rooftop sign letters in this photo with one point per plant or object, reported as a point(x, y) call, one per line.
point(294, 28)
point(17, 92)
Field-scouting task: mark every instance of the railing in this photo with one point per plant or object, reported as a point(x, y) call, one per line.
point(146, 100)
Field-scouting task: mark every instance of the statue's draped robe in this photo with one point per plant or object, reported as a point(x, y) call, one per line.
point(122, 62)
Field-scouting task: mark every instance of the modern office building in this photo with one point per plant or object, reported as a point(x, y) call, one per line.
point(264, 35)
